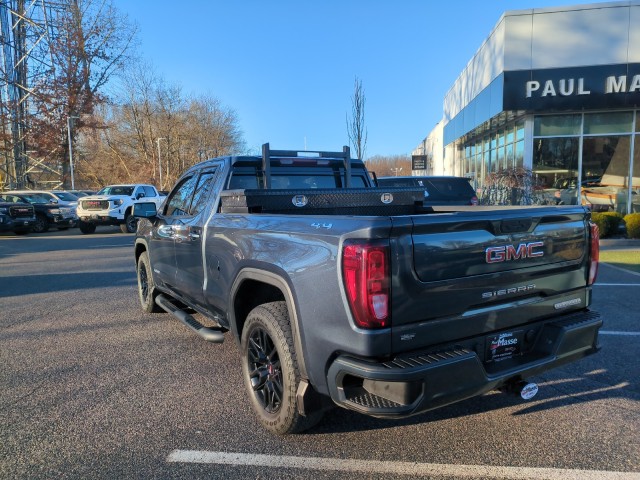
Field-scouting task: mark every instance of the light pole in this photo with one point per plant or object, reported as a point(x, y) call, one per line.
point(159, 159)
point(73, 183)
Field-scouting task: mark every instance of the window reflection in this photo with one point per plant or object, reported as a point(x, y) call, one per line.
point(599, 123)
point(493, 152)
point(604, 139)
point(605, 167)
point(555, 168)
point(547, 125)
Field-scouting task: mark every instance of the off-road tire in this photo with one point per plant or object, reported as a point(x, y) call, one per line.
point(130, 224)
point(146, 286)
point(86, 227)
point(270, 370)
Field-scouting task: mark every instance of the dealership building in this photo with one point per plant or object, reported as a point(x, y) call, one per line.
point(555, 92)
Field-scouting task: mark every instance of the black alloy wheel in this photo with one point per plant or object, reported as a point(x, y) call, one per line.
point(265, 370)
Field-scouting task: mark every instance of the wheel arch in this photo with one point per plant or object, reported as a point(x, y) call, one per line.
point(253, 287)
point(139, 247)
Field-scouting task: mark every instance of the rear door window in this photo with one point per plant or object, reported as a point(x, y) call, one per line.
point(452, 186)
point(296, 178)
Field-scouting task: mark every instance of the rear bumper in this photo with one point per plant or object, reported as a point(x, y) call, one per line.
point(421, 381)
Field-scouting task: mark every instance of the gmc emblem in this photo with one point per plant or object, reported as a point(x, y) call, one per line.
point(507, 253)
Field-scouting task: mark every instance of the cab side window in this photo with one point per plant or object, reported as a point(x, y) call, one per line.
point(202, 193)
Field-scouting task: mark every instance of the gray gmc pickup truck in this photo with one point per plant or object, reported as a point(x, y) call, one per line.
point(342, 293)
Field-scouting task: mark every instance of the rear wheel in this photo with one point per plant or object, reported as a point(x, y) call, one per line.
point(41, 224)
point(130, 224)
point(146, 285)
point(270, 370)
point(86, 227)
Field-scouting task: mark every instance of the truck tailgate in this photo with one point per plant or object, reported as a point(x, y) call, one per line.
point(472, 273)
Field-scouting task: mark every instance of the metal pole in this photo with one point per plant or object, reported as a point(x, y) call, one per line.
point(160, 160)
point(73, 183)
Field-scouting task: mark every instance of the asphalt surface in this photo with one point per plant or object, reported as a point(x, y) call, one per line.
point(92, 387)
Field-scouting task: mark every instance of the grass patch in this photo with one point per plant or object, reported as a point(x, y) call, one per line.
point(627, 259)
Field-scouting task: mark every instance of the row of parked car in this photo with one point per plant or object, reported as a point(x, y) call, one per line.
point(24, 211)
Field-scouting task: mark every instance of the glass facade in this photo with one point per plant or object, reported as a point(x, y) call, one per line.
point(539, 115)
point(589, 158)
point(493, 152)
point(579, 158)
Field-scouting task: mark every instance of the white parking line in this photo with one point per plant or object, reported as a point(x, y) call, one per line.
point(397, 468)
point(615, 267)
point(613, 332)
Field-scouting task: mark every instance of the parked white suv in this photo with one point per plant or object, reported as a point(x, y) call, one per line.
point(113, 205)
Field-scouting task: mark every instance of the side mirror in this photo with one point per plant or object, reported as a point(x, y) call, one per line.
point(145, 210)
point(140, 195)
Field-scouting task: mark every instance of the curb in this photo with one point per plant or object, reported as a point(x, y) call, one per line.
point(627, 243)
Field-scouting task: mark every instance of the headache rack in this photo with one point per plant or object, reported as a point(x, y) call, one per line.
point(268, 154)
point(344, 199)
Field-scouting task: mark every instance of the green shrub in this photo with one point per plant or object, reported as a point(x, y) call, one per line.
point(632, 221)
point(604, 223)
point(614, 219)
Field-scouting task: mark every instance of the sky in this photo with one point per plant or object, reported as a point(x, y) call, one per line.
point(287, 68)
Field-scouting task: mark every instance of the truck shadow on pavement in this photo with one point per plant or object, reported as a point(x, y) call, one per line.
point(60, 282)
point(554, 394)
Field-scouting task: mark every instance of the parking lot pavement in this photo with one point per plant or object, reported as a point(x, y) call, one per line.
point(92, 387)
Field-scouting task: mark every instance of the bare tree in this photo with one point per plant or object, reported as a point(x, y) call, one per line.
point(355, 124)
point(152, 127)
point(91, 42)
point(212, 128)
point(386, 166)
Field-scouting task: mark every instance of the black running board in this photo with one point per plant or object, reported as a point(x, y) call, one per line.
point(209, 334)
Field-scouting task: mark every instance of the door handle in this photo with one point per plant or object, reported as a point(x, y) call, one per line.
point(183, 233)
point(166, 231)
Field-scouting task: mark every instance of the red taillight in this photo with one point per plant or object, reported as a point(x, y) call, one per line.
point(365, 271)
point(594, 253)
